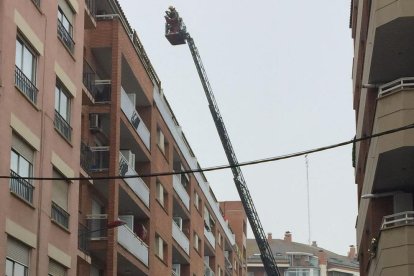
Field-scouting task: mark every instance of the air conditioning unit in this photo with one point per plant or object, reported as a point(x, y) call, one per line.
point(130, 157)
point(95, 123)
point(133, 98)
point(129, 220)
point(176, 268)
point(179, 222)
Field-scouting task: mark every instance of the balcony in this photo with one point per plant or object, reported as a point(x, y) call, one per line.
point(66, 37)
point(60, 216)
point(36, 2)
point(210, 238)
point(85, 157)
point(128, 108)
point(136, 184)
point(180, 238)
point(399, 219)
point(89, 78)
point(102, 91)
point(227, 263)
point(98, 226)
point(63, 127)
point(21, 187)
point(25, 85)
point(181, 191)
point(207, 270)
point(83, 238)
point(91, 6)
point(100, 159)
point(133, 244)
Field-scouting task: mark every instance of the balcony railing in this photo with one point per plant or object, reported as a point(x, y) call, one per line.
point(60, 216)
point(399, 219)
point(396, 85)
point(85, 157)
point(83, 238)
point(207, 270)
point(100, 159)
point(181, 191)
point(210, 237)
point(136, 184)
point(98, 226)
point(132, 243)
point(90, 4)
point(66, 37)
point(89, 77)
point(180, 238)
point(102, 91)
point(36, 2)
point(21, 187)
point(25, 85)
point(62, 126)
point(128, 108)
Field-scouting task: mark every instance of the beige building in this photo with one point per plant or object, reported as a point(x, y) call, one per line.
point(80, 98)
point(383, 89)
point(298, 259)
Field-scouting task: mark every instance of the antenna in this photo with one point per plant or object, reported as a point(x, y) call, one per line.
point(307, 188)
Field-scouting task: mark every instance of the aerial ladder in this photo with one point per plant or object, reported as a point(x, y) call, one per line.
point(176, 33)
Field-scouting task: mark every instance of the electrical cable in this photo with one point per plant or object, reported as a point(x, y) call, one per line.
point(221, 167)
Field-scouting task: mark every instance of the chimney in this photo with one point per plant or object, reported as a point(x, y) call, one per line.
point(352, 252)
point(288, 236)
point(314, 244)
point(322, 257)
point(269, 236)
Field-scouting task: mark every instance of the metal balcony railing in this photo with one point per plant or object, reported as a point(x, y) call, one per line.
point(62, 126)
point(83, 238)
point(207, 270)
point(396, 85)
point(86, 157)
point(66, 37)
point(36, 2)
point(100, 159)
point(21, 187)
point(25, 85)
point(210, 237)
point(91, 6)
point(89, 77)
point(98, 226)
point(399, 219)
point(60, 216)
point(102, 91)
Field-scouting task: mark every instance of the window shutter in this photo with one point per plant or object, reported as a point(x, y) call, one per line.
point(60, 191)
point(66, 9)
point(56, 269)
point(22, 148)
point(17, 251)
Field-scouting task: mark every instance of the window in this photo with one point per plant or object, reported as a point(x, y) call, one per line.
point(65, 28)
point(21, 161)
point(62, 111)
point(161, 195)
point(17, 259)
point(25, 70)
point(196, 242)
point(220, 242)
point(162, 142)
point(60, 200)
point(197, 200)
point(160, 248)
point(56, 269)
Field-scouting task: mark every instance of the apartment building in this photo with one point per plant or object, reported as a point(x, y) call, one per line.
point(384, 100)
point(298, 259)
point(80, 98)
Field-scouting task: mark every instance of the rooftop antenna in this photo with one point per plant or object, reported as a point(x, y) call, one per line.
point(307, 188)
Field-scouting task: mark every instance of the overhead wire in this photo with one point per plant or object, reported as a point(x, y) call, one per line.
point(220, 167)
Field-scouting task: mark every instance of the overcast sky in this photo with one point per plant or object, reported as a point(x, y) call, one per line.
point(281, 75)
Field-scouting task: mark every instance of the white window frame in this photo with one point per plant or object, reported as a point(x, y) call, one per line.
point(62, 93)
point(19, 160)
point(26, 52)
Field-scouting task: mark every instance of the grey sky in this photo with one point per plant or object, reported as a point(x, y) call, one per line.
point(281, 74)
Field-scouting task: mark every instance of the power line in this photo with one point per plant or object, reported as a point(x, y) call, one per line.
point(222, 167)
